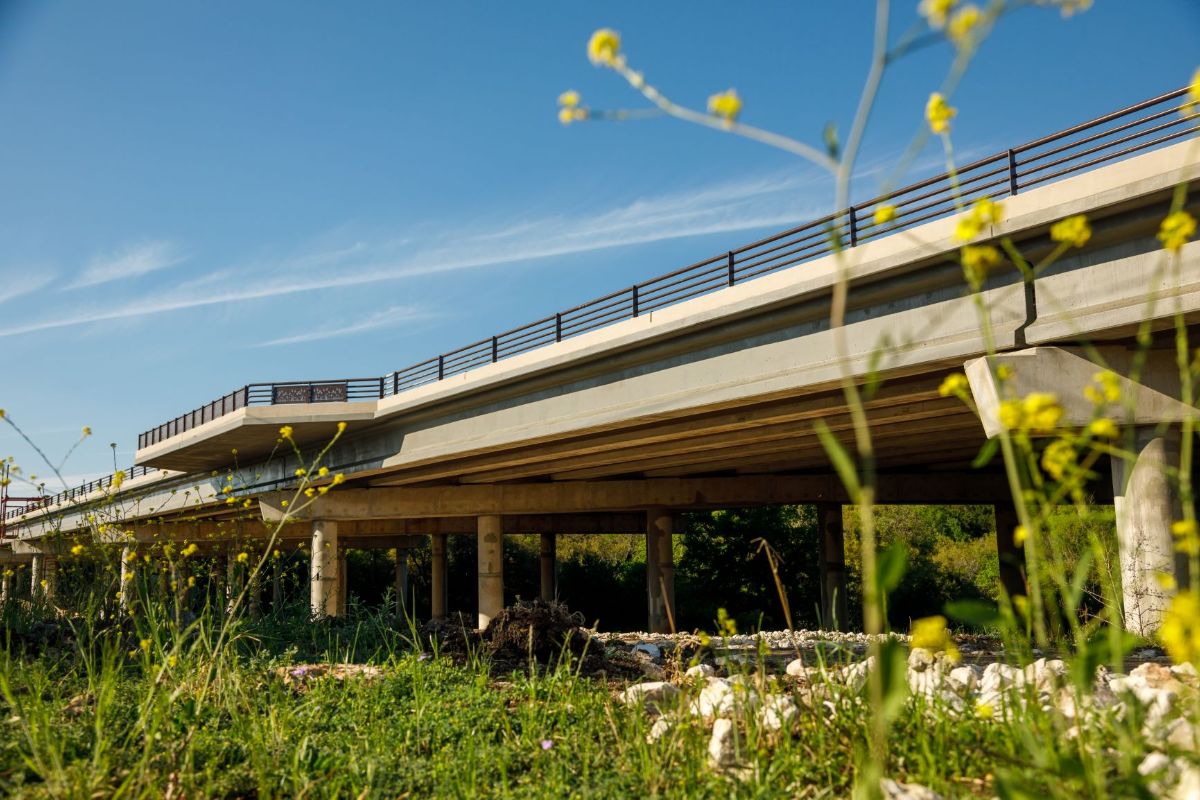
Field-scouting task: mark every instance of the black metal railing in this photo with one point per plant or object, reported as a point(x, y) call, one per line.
point(78, 492)
point(1136, 129)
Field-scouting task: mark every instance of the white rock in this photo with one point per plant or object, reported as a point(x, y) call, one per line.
point(1188, 787)
point(854, 676)
point(894, 790)
point(651, 650)
point(701, 671)
point(659, 729)
point(722, 749)
point(796, 668)
point(1183, 735)
point(1155, 762)
point(777, 712)
point(715, 700)
point(652, 693)
point(920, 659)
point(964, 678)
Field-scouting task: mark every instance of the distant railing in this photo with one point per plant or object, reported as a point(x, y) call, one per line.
point(1131, 130)
point(77, 493)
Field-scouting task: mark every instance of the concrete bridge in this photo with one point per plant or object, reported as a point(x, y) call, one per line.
point(700, 389)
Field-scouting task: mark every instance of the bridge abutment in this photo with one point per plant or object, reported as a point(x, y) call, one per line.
point(660, 570)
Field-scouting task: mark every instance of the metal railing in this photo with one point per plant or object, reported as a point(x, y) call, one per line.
point(77, 492)
point(1138, 128)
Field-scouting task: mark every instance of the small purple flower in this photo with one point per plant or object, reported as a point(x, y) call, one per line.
point(547, 744)
point(425, 657)
point(299, 672)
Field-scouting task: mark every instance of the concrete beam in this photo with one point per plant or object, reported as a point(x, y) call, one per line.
point(1067, 371)
point(618, 495)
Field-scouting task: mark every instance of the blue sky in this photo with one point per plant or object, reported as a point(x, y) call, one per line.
point(194, 196)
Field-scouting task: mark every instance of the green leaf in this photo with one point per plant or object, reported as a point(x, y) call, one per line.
point(979, 613)
point(891, 566)
point(842, 463)
point(986, 453)
point(1083, 568)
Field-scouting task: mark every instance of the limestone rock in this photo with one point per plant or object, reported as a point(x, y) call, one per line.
point(660, 728)
point(777, 712)
point(652, 694)
point(722, 746)
point(796, 668)
point(894, 790)
point(700, 671)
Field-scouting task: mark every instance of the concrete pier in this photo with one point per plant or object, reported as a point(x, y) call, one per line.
point(660, 570)
point(834, 611)
point(325, 578)
point(1146, 504)
point(491, 568)
point(548, 561)
point(437, 577)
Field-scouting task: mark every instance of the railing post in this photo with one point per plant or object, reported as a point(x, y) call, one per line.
point(853, 227)
point(395, 383)
point(729, 265)
point(558, 327)
point(634, 297)
point(381, 387)
point(441, 367)
point(1012, 172)
point(495, 350)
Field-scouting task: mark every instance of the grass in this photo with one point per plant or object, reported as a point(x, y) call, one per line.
point(104, 717)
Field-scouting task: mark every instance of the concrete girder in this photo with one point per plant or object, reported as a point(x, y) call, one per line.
point(623, 495)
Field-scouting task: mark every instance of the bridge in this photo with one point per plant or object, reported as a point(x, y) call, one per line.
point(700, 389)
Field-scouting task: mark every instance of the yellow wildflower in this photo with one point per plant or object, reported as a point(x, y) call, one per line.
point(191, 580)
point(301, 472)
point(1069, 7)
point(1074, 231)
point(323, 471)
point(931, 633)
point(984, 212)
point(77, 550)
point(87, 431)
point(569, 99)
point(190, 550)
point(936, 11)
point(1180, 631)
point(985, 711)
point(1109, 390)
point(1057, 458)
point(568, 115)
point(726, 105)
point(884, 214)
point(938, 113)
point(243, 557)
point(226, 489)
point(1176, 230)
point(341, 426)
point(1185, 533)
point(145, 645)
point(309, 492)
point(1041, 411)
point(1192, 101)
point(230, 501)
point(286, 431)
point(1103, 428)
point(977, 260)
point(118, 478)
point(172, 661)
point(603, 47)
point(1166, 581)
point(961, 29)
point(1020, 534)
point(276, 553)
point(339, 478)
point(1004, 372)
point(954, 384)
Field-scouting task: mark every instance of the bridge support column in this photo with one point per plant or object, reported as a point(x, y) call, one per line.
point(326, 592)
point(49, 581)
point(660, 570)
point(126, 590)
point(832, 546)
point(491, 568)
point(437, 577)
point(1146, 505)
point(1011, 554)
point(37, 568)
point(400, 581)
point(549, 565)
point(6, 585)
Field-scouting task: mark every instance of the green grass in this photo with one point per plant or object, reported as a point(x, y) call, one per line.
point(103, 717)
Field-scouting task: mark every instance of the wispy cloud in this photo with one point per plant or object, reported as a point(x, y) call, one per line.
point(12, 287)
point(129, 262)
point(725, 207)
point(387, 318)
